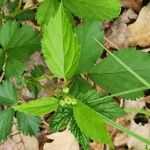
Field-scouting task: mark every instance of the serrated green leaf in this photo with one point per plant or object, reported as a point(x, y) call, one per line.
point(46, 10)
point(37, 71)
point(115, 78)
point(28, 124)
point(19, 42)
point(38, 107)
point(14, 68)
point(79, 85)
point(106, 107)
point(2, 58)
point(94, 9)
point(27, 15)
point(8, 94)
point(2, 2)
point(82, 139)
point(33, 85)
point(6, 122)
point(90, 49)
point(91, 124)
point(61, 119)
point(61, 50)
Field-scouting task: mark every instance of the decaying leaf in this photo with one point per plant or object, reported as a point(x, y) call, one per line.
point(117, 32)
point(139, 32)
point(143, 130)
point(62, 141)
point(133, 4)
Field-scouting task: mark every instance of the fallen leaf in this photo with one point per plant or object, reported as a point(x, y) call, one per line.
point(144, 131)
point(133, 4)
point(62, 141)
point(117, 32)
point(139, 31)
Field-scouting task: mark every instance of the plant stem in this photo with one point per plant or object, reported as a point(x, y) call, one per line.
point(146, 112)
point(120, 94)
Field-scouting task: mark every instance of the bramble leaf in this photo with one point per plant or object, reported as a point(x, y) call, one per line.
point(19, 42)
point(8, 94)
point(106, 107)
point(6, 123)
point(61, 50)
point(2, 58)
point(46, 10)
point(28, 124)
point(94, 9)
point(115, 78)
point(91, 124)
point(38, 107)
point(90, 49)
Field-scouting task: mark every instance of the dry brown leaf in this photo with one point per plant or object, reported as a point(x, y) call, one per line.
point(117, 32)
point(133, 4)
point(120, 139)
point(141, 130)
point(97, 146)
point(140, 30)
point(62, 141)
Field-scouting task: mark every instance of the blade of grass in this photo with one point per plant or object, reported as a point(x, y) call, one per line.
point(124, 65)
point(120, 94)
point(120, 127)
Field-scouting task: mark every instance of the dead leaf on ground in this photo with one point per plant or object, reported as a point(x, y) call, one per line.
point(140, 30)
point(133, 4)
point(143, 130)
point(97, 146)
point(62, 141)
point(117, 32)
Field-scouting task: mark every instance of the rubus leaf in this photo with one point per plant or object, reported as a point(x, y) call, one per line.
point(2, 58)
point(79, 85)
point(6, 123)
point(106, 107)
point(8, 94)
point(82, 139)
point(91, 124)
point(28, 124)
point(14, 68)
point(19, 42)
point(90, 49)
point(61, 50)
point(61, 119)
point(38, 107)
point(94, 9)
point(46, 10)
point(115, 78)
point(37, 71)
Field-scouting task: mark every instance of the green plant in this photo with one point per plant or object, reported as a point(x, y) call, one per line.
point(71, 53)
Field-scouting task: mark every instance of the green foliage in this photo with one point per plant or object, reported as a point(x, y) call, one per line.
point(74, 56)
point(6, 122)
point(90, 49)
point(38, 107)
point(106, 107)
point(18, 43)
point(82, 139)
point(91, 124)
point(8, 95)
point(79, 85)
point(46, 10)
point(61, 50)
point(28, 124)
point(61, 119)
point(115, 78)
point(37, 71)
point(2, 58)
point(95, 9)
point(14, 68)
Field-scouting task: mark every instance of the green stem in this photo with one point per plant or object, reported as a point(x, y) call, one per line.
point(124, 65)
point(120, 94)
point(146, 112)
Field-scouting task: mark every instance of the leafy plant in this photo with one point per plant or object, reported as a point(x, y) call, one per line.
point(72, 54)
